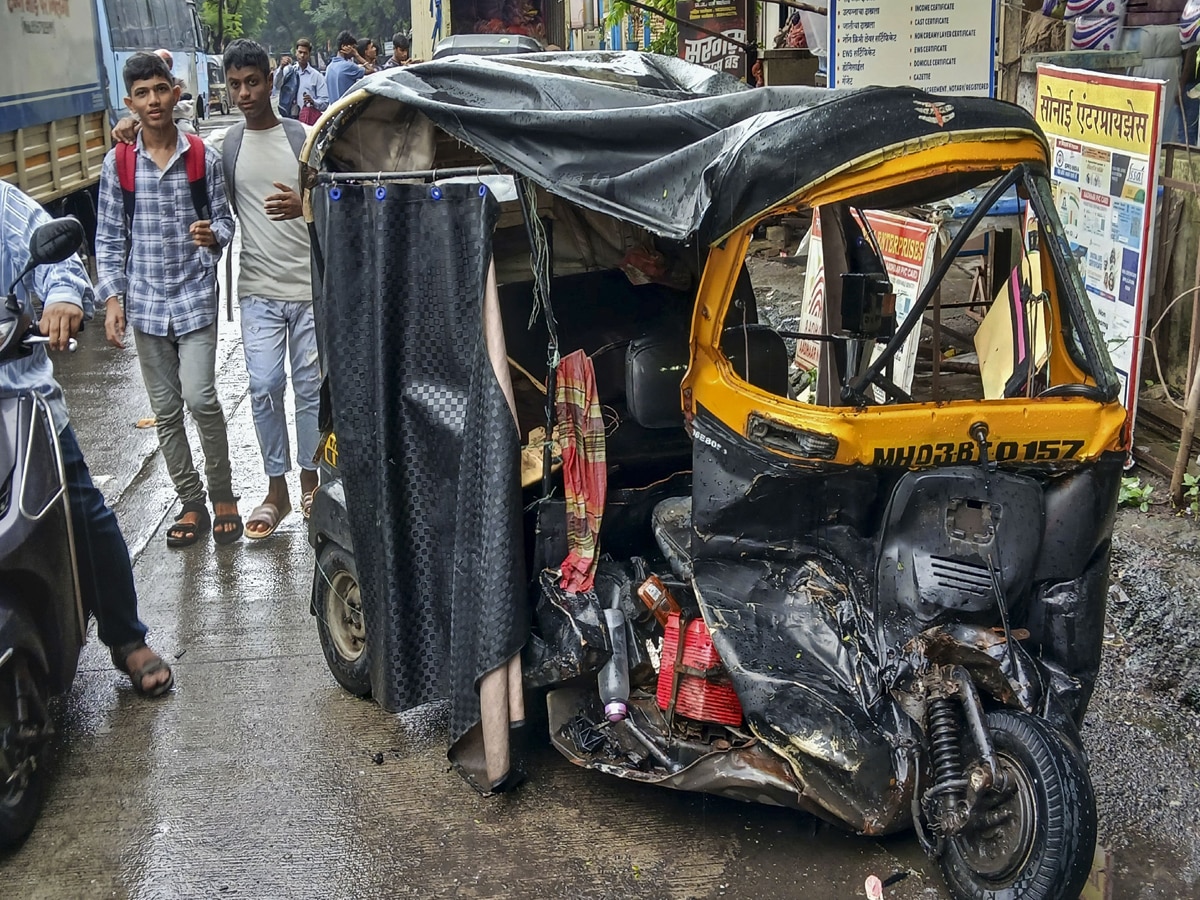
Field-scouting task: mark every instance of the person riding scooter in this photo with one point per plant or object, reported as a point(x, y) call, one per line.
point(102, 556)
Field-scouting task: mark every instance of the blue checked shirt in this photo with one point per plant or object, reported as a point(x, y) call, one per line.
point(168, 282)
point(64, 282)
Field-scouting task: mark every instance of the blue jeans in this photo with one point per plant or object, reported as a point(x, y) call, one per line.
point(272, 331)
point(101, 554)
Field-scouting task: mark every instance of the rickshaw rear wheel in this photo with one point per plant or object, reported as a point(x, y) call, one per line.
point(1036, 841)
point(340, 623)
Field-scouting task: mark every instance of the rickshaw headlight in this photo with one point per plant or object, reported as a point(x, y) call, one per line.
point(790, 439)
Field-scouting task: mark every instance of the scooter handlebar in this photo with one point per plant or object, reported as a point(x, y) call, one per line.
point(32, 339)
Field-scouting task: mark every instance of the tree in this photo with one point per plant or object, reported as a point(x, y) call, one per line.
point(664, 40)
point(286, 22)
point(376, 19)
point(229, 19)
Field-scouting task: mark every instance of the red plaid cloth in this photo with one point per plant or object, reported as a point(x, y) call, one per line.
point(585, 472)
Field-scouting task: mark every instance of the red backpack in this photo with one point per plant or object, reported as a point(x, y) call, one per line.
point(196, 176)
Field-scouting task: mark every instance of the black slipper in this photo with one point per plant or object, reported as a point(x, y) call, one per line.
point(184, 534)
point(230, 535)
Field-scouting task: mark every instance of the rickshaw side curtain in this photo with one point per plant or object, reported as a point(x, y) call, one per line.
point(428, 453)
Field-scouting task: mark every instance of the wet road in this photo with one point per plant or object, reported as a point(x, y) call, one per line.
point(259, 778)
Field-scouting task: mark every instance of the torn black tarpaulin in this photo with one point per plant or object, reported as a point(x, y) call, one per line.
point(676, 148)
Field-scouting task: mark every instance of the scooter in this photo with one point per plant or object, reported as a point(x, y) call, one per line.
point(42, 624)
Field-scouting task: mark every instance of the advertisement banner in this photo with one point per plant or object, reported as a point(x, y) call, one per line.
point(727, 17)
point(944, 47)
point(1103, 136)
point(909, 247)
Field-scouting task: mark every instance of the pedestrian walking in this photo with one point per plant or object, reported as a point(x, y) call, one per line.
point(101, 554)
point(260, 160)
point(345, 68)
point(162, 224)
point(313, 97)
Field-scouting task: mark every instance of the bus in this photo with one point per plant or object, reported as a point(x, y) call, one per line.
point(127, 26)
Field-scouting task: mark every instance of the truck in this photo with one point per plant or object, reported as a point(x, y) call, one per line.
point(127, 26)
point(54, 127)
point(539, 19)
point(62, 89)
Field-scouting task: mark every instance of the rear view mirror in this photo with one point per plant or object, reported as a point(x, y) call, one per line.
point(55, 241)
point(49, 243)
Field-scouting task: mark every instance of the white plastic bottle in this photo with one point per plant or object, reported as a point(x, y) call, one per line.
point(614, 677)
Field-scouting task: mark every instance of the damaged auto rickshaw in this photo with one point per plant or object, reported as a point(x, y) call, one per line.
point(831, 592)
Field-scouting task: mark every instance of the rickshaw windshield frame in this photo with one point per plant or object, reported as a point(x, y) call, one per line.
point(1089, 353)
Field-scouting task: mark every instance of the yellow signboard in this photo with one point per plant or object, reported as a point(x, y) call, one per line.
point(1103, 136)
point(1096, 110)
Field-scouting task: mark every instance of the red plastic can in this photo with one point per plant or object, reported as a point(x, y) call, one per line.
point(707, 699)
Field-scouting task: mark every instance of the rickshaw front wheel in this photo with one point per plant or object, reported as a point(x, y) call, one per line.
point(1035, 841)
point(340, 623)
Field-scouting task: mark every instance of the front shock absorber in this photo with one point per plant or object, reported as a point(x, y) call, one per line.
point(945, 750)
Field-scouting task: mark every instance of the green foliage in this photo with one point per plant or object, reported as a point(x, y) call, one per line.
point(666, 42)
point(239, 18)
point(1134, 493)
point(376, 19)
point(285, 21)
point(1191, 492)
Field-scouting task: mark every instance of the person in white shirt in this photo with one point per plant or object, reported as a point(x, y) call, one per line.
point(312, 97)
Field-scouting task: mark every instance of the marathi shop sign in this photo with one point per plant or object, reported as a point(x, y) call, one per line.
point(1103, 132)
point(706, 47)
point(940, 46)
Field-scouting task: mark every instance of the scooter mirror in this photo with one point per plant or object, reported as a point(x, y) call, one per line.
point(55, 241)
point(49, 243)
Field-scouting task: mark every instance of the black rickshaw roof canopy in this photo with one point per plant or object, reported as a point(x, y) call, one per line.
point(676, 148)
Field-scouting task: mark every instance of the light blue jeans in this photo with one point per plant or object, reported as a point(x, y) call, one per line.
point(272, 331)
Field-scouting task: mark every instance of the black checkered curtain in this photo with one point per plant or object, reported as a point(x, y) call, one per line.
point(428, 452)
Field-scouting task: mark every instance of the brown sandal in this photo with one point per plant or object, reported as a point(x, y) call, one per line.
point(120, 657)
